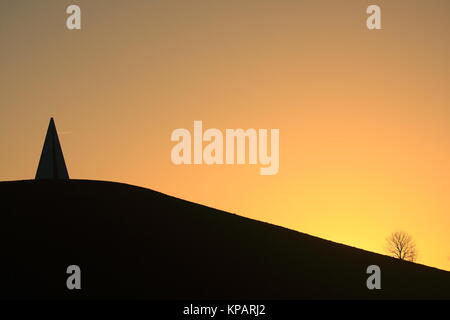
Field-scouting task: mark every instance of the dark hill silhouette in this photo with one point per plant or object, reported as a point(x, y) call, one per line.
point(132, 242)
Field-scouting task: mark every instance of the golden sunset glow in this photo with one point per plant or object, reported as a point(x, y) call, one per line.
point(364, 116)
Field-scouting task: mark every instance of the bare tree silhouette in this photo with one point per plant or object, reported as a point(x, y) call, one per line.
point(400, 245)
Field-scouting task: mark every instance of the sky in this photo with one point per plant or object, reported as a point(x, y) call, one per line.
point(364, 115)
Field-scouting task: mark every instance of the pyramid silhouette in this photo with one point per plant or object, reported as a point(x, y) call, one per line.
point(52, 164)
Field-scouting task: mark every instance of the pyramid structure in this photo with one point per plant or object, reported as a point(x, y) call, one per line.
point(52, 164)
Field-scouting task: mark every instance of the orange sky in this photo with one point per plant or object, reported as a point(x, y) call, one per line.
point(364, 116)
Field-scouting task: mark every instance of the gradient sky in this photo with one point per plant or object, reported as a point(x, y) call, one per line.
point(364, 116)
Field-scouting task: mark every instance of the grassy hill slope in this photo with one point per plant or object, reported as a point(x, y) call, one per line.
point(132, 242)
